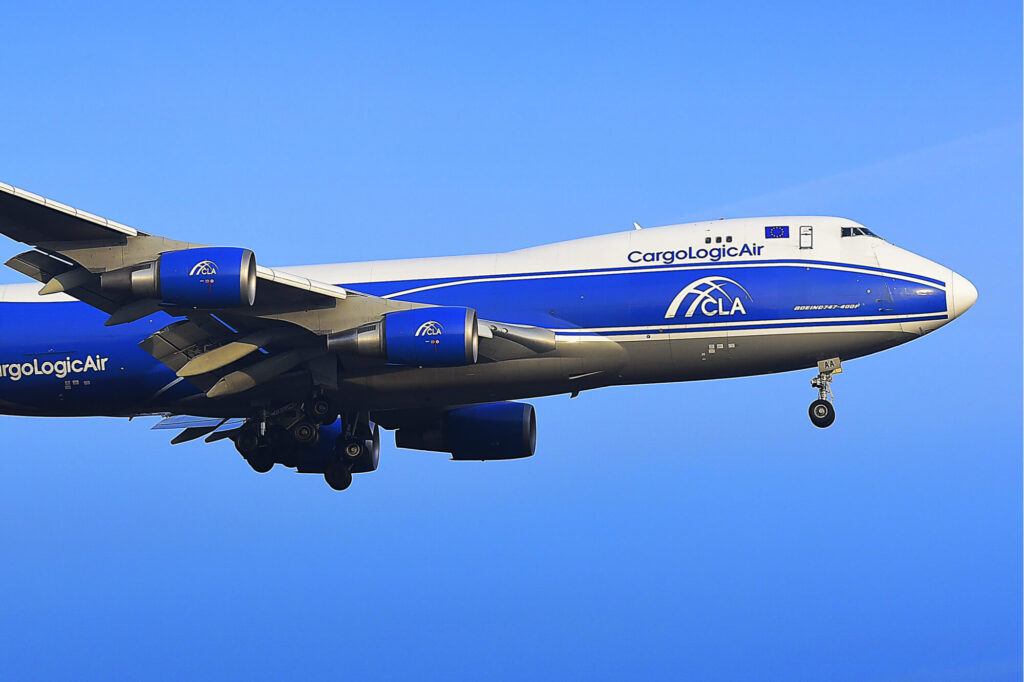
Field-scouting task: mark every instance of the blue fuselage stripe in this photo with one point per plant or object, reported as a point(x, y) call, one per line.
point(654, 297)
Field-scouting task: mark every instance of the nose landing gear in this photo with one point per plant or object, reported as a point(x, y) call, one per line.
point(821, 411)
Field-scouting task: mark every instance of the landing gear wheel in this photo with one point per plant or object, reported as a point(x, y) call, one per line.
point(354, 448)
point(305, 433)
point(261, 461)
point(338, 477)
point(247, 441)
point(822, 413)
point(320, 411)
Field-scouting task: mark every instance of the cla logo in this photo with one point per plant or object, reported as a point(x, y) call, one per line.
point(203, 268)
point(710, 296)
point(430, 328)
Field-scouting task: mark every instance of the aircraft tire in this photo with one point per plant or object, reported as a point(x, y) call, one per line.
point(305, 433)
point(338, 477)
point(354, 449)
point(261, 461)
point(247, 442)
point(320, 411)
point(822, 413)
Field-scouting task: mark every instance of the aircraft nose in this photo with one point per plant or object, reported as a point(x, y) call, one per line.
point(963, 294)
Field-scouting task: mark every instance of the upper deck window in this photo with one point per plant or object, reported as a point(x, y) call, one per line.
point(858, 232)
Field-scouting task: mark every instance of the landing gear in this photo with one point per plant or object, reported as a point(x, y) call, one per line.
point(247, 442)
point(338, 476)
point(346, 455)
point(252, 448)
point(319, 410)
point(305, 433)
point(261, 461)
point(311, 438)
point(357, 451)
point(354, 449)
point(821, 411)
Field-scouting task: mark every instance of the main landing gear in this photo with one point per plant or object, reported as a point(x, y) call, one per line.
point(311, 438)
point(821, 411)
point(338, 477)
point(356, 450)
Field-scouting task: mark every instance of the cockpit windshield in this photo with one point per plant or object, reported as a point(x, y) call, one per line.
point(859, 232)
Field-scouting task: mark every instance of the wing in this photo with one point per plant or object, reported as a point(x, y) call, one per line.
point(71, 244)
point(222, 350)
point(225, 350)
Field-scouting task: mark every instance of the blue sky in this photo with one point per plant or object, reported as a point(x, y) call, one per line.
point(702, 530)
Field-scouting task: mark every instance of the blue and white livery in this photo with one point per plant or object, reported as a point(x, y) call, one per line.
point(302, 366)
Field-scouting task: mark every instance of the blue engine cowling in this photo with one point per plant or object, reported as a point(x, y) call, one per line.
point(214, 277)
point(208, 277)
point(431, 337)
point(421, 337)
point(477, 432)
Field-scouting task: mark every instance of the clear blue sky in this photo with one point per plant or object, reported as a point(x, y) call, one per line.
point(688, 531)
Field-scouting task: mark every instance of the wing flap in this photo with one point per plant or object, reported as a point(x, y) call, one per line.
point(261, 372)
point(221, 356)
point(175, 344)
point(193, 428)
point(185, 421)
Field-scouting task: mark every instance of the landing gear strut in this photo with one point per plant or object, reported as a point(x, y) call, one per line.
point(821, 411)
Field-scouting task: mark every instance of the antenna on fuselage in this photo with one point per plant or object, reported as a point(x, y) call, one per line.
point(636, 225)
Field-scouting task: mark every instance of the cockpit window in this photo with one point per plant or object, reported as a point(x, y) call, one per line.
point(858, 232)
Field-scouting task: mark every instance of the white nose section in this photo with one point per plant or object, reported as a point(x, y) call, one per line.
point(964, 294)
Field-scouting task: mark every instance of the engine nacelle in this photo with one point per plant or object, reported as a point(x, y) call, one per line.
point(477, 432)
point(209, 277)
point(421, 337)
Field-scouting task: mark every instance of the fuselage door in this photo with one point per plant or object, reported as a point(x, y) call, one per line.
point(806, 237)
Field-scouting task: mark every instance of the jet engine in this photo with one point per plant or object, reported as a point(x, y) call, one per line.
point(478, 432)
point(209, 277)
point(421, 337)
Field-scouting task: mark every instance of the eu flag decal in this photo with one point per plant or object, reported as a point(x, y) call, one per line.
point(776, 231)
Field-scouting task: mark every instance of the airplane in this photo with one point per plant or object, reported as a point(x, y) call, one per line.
point(302, 366)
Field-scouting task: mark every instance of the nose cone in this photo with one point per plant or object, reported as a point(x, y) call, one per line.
point(964, 294)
